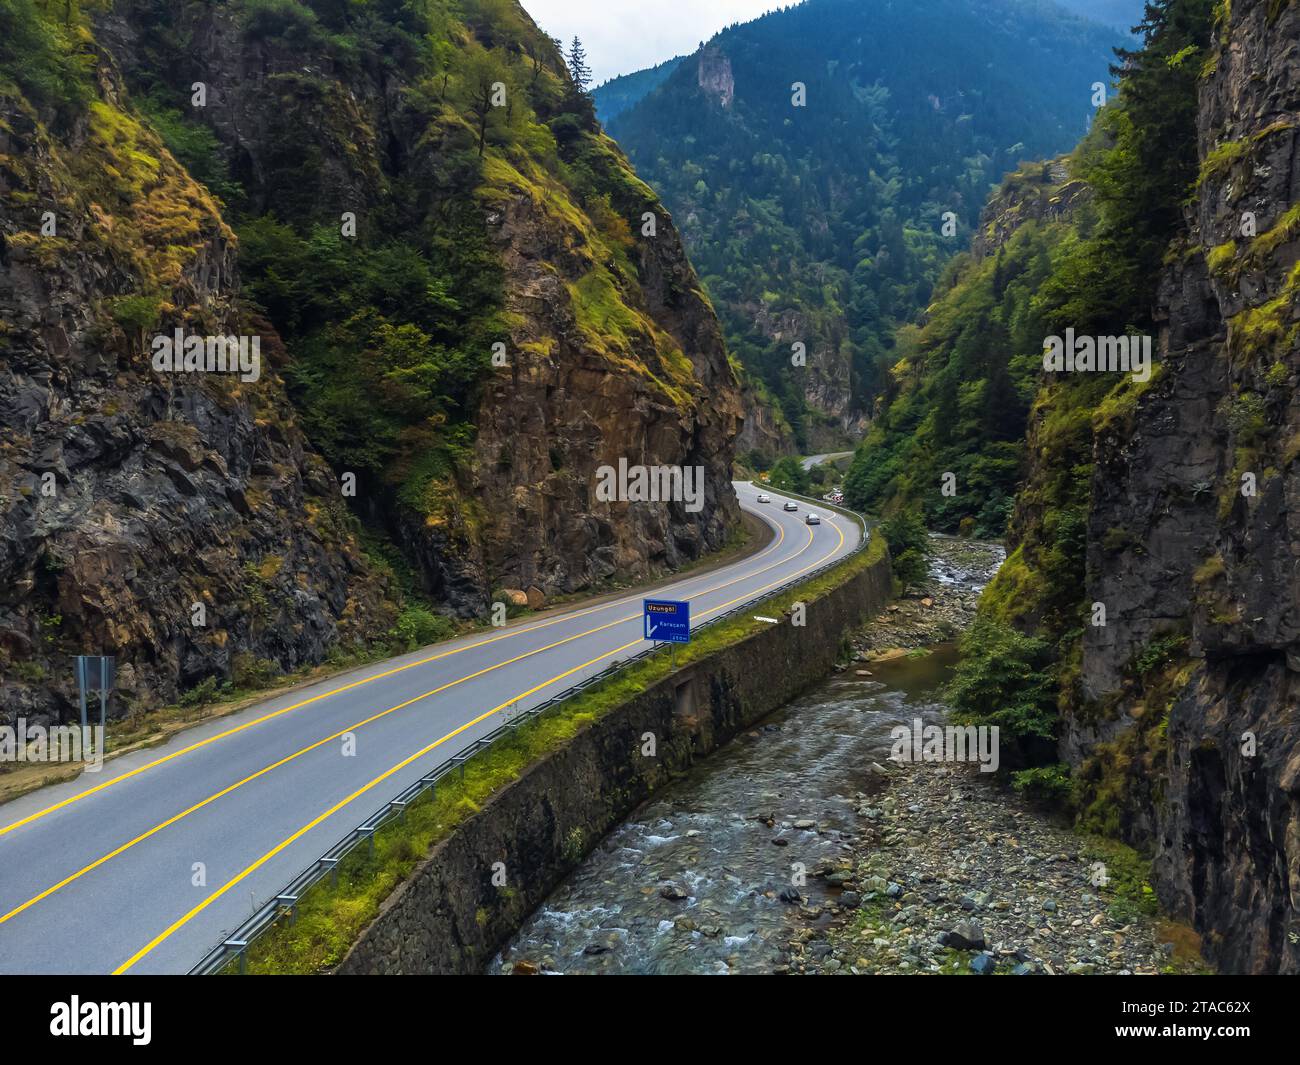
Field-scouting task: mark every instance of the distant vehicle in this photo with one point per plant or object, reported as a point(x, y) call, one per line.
point(812, 519)
point(764, 497)
point(790, 504)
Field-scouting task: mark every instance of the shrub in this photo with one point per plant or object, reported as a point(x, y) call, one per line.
point(788, 475)
point(1045, 785)
point(208, 690)
point(1003, 680)
point(418, 626)
point(251, 673)
point(909, 545)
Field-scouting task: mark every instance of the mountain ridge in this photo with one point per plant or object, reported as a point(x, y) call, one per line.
point(828, 230)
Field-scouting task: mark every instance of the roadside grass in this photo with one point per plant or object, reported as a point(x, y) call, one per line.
point(331, 915)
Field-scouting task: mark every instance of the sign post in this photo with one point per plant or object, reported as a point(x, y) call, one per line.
point(95, 673)
point(667, 621)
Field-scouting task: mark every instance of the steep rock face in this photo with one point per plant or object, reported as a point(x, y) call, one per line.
point(1194, 554)
point(604, 361)
point(828, 372)
point(715, 76)
point(129, 496)
point(1040, 193)
point(559, 414)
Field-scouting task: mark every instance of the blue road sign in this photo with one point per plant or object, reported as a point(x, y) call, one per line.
point(667, 621)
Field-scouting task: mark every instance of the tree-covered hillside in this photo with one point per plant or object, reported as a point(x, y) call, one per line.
point(957, 398)
point(975, 402)
point(819, 219)
point(618, 94)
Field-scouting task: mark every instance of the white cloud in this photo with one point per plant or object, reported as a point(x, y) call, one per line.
point(621, 36)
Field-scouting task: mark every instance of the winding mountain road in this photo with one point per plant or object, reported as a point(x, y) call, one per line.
point(102, 874)
point(813, 461)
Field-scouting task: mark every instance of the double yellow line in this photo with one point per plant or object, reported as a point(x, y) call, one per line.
point(290, 840)
point(357, 725)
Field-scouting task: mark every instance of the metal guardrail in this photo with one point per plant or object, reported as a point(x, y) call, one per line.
point(286, 901)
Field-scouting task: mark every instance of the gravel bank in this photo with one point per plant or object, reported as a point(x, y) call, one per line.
point(951, 872)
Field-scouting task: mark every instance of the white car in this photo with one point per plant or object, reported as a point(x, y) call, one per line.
point(790, 504)
point(763, 497)
point(813, 519)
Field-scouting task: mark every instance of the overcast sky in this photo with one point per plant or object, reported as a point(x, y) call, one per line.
point(621, 36)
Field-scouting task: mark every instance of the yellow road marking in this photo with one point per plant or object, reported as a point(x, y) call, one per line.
point(374, 717)
point(275, 765)
point(360, 683)
point(185, 919)
point(344, 802)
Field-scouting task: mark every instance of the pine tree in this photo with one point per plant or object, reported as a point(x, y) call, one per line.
point(579, 72)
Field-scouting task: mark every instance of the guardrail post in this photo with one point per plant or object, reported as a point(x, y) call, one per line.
point(289, 903)
point(241, 952)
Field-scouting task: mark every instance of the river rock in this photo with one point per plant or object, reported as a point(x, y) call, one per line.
point(968, 935)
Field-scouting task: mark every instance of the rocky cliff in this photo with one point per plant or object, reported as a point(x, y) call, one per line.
point(467, 304)
point(1194, 531)
point(180, 522)
point(611, 351)
point(1154, 540)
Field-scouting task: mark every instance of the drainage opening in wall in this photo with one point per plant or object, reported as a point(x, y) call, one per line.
point(684, 697)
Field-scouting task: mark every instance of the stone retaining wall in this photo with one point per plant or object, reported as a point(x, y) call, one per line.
point(448, 917)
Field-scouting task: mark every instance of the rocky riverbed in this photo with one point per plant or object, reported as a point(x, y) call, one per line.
point(938, 609)
point(802, 848)
point(952, 873)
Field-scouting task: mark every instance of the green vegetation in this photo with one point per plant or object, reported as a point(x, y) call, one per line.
point(1048, 785)
point(1004, 679)
point(824, 224)
point(909, 546)
point(1128, 878)
point(618, 94)
point(361, 220)
point(195, 146)
point(958, 397)
point(788, 475)
point(965, 396)
point(417, 626)
point(965, 386)
point(45, 55)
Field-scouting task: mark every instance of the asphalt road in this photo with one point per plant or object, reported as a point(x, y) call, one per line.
point(146, 865)
point(817, 460)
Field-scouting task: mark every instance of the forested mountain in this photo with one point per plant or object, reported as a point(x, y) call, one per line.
point(618, 94)
point(810, 157)
point(957, 398)
point(411, 207)
point(1139, 649)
